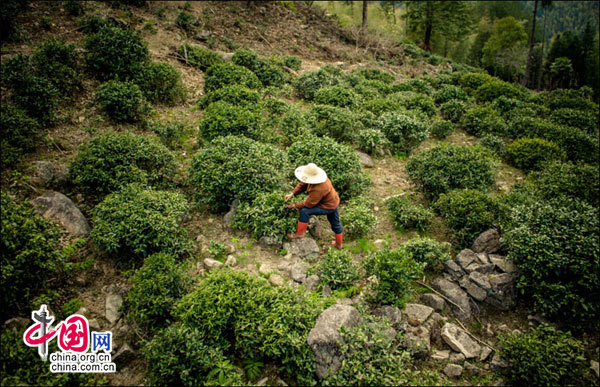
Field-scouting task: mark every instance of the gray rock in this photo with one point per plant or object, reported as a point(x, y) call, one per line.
point(276, 280)
point(497, 363)
point(497, 280)
point(302, 247)
point(416, 314)
point(434, 301)
point(82, 311)
point(311, 282)
point(455, 294)
point(594, 367)
point(94, 324)
point(324, 339)
point(453, 371)
point(265, 269)
point(453, 269)
point(211, 264)
point(482, 258)
point(472, 267)
point(441, 355)
point(365, 160)
point(460, 341)
point(124, 355)
point(298, 271)
point(392, 313)
point(472, 369)
point(457, 357)
point(503, 264)
point(473, 290)
point(18, 323)
point(284, 266)
point(417, 340)
point(113, 307)
point(58, 207)
point(49, 174)
point(263, 381)
point(326, 292)
point(271, 241)
point(485, 353)
point(481, 280)
point(465, 258)
point(486, 269)
point(231, 261)
point(228, 217)
point(317, 230)
point(487, 242)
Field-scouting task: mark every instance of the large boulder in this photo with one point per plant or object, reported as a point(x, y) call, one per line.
point(58, 207)
point(302, 247)
point(455, 294)
point(49, 174)
point(487, 242)
point(324, 339)
point(460, 341)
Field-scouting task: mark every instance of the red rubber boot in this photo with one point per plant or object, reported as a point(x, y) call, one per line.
point(338, 241)
point(300, 231)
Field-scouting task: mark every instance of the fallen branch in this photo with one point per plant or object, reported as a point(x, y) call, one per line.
point(441, 295)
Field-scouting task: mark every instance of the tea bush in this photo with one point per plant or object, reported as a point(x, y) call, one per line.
point(555, 245)
point(157, 286)
point(584, 120)
point(372, 140)
point(453, 110)
point(225, 74)
point(370, 89)
point(395, 270)
point(415, 101)
point(110, 161)
point(468, 213)
point(470, 82)
point(170, 134)
point(446, 167)
point(293, 127)
point(374, 74)
point(482, 120)
point(247, 58)
point(336, 96)
point(199, 57)
point(403, 130)
point(358, 217)
point(338, 270)
point(122, 101)
point(448, 93)
point(578, 145)
point(236, 167)
point(178, 355)
point(416, 85)
point(494, 143)
point(18, 134)
point(379, 106)
point(566, 99)
point(340, 162)
point(495, 88)
point(441, 129)
point(407, 214)
point(553, 357)
point(248, 318)
point(234, 94)
point(332, 121)
point(308, 84)
point(577, 180)
point(428, 251)
point(137, 222)
point(293, 62)
point(185, 21)
point(266, 216)
point(529, 153)
point(270, 74)
point(29, 254)
point(505, 105)
point(222, 119)
point(161, 83)
point(114, 52)
point(57, 62)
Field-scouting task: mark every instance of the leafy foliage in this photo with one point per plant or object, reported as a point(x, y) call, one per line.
point(415, 101)
point(585, 120)
point(374, 74)
point(18, 133)
point(495, 88)
point(234, 94)
point(265, 216)
point(222, 119)
point(530, 153)
point(122, 101)
point(372, 140)
point(449, 93)
point(441, 129)
point(407, 214)
point(161, 83)
point(338, 270)
point(224, 74)
point(483, 119)
point(494, 143)
point(336, 96)
point(336, 122)
point(428, 251)
point(358, 217)
point(577, 180)
point(199, 57)
point(453, 110)
point(403, 130)
point(56, 61)
point(169, 133)
point(308, 84)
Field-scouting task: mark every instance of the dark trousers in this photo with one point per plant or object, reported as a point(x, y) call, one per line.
point(332, 216)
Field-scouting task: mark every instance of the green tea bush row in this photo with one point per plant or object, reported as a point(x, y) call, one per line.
point(308, 84)
point(18, 134)
point(293, 127)
point(585, 120)
point(57, 61)
point(448, 93)
point(407, 214)
point(495, 88)
point(529, 153)
point(483, 120)
point(266, 216)
point(336, 96)
point(416, 85)
point(234, 94)
point(222, 119)
point(170, 133)
point(565, 178)
point(199, 57)
point(358, 217)
point(403, 130)
point(370, 89)
point(338, 270)
point(122, 101)
point(336, 122)
point(505, 105)
point(415, 101)
point(374, 74)
point(453, 110)
point(225, 74)
point(470, 82)
point(161, 83)
point(493, 143)
point(428, 251)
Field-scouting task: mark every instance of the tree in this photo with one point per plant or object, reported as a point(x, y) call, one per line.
point(452, 19)
point(476, 53)
point(546, 6)
point(365, 14)
point(504, 54)
point(561, 72)
point(525, 80)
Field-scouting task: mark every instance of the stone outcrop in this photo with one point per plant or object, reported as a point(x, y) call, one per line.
point(302, 247)
point(58, 207)
point(487, 242)
point(460, 341)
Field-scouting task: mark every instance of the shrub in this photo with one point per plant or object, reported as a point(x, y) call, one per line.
point(372, 140)
point(379, 106)
point(530, 153)
point(403, 130)
point(293, 62)
point(110, 161)
point(416, 85)
point(122, 101)
point(332, 121)
point(467, 213)
point(470, 82)
point(453, 110)
point(234, 94)
point(18, 134)
point(178, 355)
point(358, 217)
point(555, 245)
point(338, 270)
point(246, 58)
point(185, 21)
point(340, 162)
point(409, 215)
point(139, 222)
point(494, 143)
point(441, 129)
point(446, 167)
point(270, 74)
point(236, 167)
point(308, 84)
point(372, 88)
point(578, 145)
point(336, 96)
point(29, 254)
point(222, 119)
point(577, 180)
point(553, 357)
point(395, 270)
point(250, 319)
point(584, 120)
point(504, 104)
point(169, 133)
point(293, 127)
point(482, 120)
point(556, 99)
point(428, 251)
point(157, 286)
point(224, 74)
point(495, 88)
point(374, 74)
point(56, 61)
point(415, 101)
point(74, 8)
point(447, 93)
point(266, 216)
point(161, 83)
point(113, 52)
point(199, 57)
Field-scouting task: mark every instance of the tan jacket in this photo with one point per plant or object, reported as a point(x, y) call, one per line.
point(322, 195)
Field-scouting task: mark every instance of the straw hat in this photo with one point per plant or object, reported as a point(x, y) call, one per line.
point(310, 174)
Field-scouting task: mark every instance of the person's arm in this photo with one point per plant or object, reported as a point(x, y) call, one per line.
point(313, 198)
point(301, 187)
